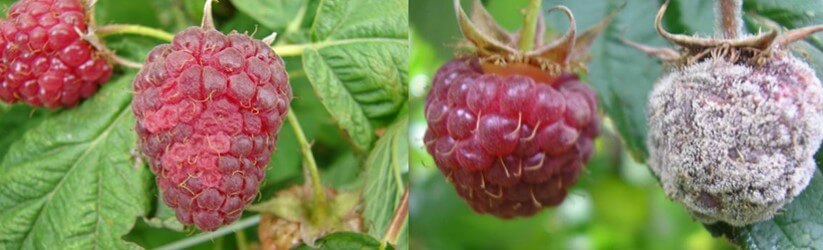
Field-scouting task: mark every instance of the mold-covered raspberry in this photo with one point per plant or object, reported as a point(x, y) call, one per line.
point(735, 123)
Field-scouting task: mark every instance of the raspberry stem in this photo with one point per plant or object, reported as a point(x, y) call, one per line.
point(290, 49)
point(242, 243)
point(401, 213)
point(208, 236)
point(729, 18)
point(121, 29)
point(530, 25)
point(309, 164)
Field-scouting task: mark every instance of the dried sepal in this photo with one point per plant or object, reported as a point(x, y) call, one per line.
point(559, 50)
point(797, 34)
point(486, 24)
point(665, 54)
point(485, 45)
point(752, 49)
point(695, 45)
point(268, 40)
point(208, 17)
point(492, 44)
point(89, 10)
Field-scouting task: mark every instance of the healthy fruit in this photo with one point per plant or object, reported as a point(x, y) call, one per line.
point(734, 126)
point(512, 129)
point(208, 109)
point(44, 61)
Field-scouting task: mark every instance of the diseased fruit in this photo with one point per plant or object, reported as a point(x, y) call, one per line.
point(44, 61)
point(733, 142)
point(511, 130)
point(733, 132)
point(208, 109)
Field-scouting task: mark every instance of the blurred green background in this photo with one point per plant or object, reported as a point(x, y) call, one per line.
point(617, 204)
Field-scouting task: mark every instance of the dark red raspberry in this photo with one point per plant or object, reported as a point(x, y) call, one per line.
point(510, 143)
point(208, 110)
point(43, 59)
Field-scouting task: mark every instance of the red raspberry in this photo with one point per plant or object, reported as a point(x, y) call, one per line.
point(208, 109)
point(44, 60)
point(511, 142)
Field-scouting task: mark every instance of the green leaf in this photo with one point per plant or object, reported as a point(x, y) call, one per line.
point(384, 181)
point(130, 12)
point(274, 14)
point(346, 240)
point(72, 181)
point(358, 63)
point(351, 19)
point(15, 120)
point(623, 87)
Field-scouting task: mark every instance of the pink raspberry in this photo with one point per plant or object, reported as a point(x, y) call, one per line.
point(43, 59)
point(208, 110)
point(510, 141)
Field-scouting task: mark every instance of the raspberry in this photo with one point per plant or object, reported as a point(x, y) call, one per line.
point(734, 126)
point(510, 144)
point(735, 143)
point(208, 109)
point(45, 62)
point(512, 127)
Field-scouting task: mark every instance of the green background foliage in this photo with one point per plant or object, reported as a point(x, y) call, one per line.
point(70, 178)
point(617, 204)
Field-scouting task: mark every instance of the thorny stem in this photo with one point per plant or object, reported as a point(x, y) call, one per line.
point(530, 25)
point(119, 29)
point(729, 18)
point(308, 163)
point(203, 237)
point(398, 220)
point(125, 62)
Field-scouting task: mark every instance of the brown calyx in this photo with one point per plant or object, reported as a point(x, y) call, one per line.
point(497, 48)
point(751, 49)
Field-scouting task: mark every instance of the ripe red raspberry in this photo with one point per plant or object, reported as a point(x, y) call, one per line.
point(208, 110)
point(43, 59)
point(512, 127)
point(510, 144)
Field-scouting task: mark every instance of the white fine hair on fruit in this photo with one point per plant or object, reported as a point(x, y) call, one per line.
point(735, 142)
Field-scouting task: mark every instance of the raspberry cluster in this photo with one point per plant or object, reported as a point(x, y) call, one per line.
point(208, 110)
point(43, 59)
point(510, 144)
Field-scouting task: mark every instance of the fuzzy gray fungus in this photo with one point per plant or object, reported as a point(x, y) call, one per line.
point(734, 142)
